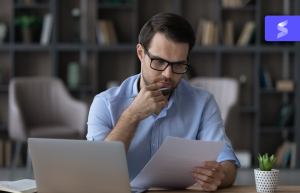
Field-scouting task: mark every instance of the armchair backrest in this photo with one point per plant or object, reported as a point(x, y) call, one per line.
point(40, 99)
point(225, 91)
point(43, 101)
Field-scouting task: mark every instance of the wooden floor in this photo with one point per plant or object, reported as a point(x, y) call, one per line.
point(244, 177)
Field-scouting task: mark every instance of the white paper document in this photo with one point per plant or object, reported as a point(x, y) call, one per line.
point(172, 164)
point(25, 185)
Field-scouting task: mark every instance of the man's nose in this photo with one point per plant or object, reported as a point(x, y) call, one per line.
point(168, 72)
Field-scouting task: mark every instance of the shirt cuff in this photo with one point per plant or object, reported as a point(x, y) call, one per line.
point(227, 154)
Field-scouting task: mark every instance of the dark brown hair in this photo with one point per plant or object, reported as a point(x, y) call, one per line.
point(173, 26)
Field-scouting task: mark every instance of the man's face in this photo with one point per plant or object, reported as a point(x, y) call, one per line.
point(162, 48)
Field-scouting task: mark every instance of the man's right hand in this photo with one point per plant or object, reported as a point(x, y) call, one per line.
point(148, 101)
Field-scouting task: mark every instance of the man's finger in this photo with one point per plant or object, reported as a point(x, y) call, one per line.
point(160, 98)
point(202, 177)
point(206, 186)
point(203, 171)
point(152, 87)
point(157, 93)
point(213, 164)
point(163, 104)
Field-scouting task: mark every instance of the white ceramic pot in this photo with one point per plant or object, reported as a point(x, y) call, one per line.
point(266, 181)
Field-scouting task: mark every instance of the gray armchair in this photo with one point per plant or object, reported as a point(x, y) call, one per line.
point(43, 108)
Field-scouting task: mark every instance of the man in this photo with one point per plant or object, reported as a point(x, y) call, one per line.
point(182, 110)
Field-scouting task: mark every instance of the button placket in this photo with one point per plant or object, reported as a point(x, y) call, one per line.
point(154, 144)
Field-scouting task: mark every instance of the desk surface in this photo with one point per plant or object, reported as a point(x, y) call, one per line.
point(244, 189)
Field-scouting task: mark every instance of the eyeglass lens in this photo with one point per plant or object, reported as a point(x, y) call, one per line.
point(161, 65)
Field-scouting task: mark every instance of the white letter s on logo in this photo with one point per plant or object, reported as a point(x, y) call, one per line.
point(281, 28)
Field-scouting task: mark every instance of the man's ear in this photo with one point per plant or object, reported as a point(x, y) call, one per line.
point(140, 52)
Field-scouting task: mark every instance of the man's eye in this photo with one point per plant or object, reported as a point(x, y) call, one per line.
point(178, 65)
point(159, 62)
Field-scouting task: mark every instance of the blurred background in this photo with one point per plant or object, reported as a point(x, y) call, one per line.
point(90, 45)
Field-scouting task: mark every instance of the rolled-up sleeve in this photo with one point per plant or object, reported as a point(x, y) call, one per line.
point(212, 129)
point(99, 120)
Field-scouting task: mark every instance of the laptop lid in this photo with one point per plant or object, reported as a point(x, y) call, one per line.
point(72, 166)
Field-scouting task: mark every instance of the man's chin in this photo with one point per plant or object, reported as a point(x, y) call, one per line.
point(167, 92)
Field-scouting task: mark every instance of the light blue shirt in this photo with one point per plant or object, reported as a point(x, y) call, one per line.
point(192, 113)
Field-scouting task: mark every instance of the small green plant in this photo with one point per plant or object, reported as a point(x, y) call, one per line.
point(27, 21)
point(266, 162)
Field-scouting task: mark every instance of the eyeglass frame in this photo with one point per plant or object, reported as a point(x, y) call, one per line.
point(169, 63)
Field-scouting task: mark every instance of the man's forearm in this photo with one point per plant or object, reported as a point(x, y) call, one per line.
point(124, 130)
point(230, 171)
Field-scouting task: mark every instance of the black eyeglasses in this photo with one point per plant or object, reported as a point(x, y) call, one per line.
point(161, 65)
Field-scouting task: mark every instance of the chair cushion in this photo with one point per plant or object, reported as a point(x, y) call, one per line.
point(54, 131)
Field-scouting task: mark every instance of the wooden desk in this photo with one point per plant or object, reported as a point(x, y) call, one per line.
point(241, 189)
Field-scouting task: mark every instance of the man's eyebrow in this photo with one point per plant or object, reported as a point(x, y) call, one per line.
point(157, 57)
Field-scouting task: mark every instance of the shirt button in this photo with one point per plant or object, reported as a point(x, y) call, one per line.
point(154, 145)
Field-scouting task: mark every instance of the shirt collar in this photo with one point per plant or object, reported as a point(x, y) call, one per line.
point(172, 98)
point(135, 85)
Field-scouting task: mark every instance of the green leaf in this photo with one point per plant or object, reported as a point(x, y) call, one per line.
point(266, 162)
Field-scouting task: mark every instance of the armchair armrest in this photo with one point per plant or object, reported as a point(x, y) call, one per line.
point(74, 114)
point(77, 115)
point(16, 125)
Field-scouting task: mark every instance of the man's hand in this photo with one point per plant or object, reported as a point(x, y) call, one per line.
point(209, 180)
point(148, 101)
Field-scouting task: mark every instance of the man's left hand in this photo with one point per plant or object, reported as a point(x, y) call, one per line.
point(209, 179)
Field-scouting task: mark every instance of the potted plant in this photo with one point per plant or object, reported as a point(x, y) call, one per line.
point(266, 178)
point(27, 24)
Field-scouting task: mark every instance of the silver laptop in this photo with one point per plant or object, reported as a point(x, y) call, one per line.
point(76, 166)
